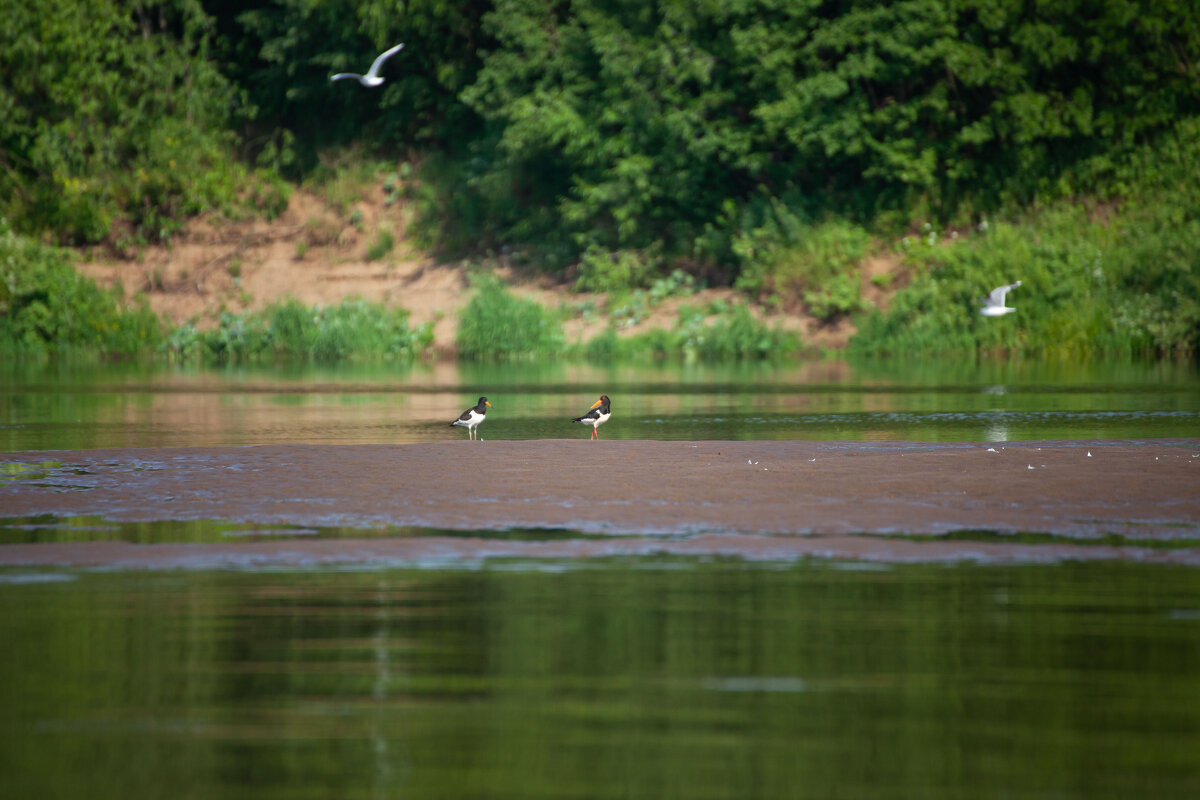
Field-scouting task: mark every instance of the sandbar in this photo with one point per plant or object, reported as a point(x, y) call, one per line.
point(751, 499)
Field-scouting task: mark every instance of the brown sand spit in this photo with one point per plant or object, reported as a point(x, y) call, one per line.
point(776, 500)
point(317, 253)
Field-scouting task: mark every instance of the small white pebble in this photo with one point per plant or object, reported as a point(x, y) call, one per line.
point(991, 449)
point(812, 459)
point(1029, 466)
point(1089, 453)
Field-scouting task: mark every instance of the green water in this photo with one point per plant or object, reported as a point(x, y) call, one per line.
point(58, 529)
point(640, 677)
point(649, 678)
point(49, 528)
point(65, 407)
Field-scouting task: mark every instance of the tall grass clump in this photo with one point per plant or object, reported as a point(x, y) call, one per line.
point(352, 329)
point(383, 244)
point(498, 324)
point(710, 334)
point(738, 335)
point(47, 307)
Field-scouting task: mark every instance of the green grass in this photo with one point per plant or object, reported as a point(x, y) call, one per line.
point(1035, 538)
point(499, 325)
point(351, 329)
point(1086, 288)
point(711, 334)
point(383, 244)
point(48, 308)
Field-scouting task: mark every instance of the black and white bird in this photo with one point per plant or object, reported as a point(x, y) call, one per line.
point(372, 77)
point(471, 418)
point(597, 416)
point(994, 302)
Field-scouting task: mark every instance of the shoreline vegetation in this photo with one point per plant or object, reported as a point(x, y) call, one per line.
point(773, 153)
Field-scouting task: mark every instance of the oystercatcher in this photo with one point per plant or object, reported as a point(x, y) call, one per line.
point(597, 416)
point(471, 418)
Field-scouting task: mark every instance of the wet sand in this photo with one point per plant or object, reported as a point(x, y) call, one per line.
point(758, 500)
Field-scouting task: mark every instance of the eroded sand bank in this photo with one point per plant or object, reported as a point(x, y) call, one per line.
point(751, 499)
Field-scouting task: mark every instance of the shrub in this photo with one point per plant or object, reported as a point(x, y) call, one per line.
point(818, 263)
point(734, 335)
point(497, 324)
point(46, 306)
point(738, 335)
point(620, 271)
point(109, 115)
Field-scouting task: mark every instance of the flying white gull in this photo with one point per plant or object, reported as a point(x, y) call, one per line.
point(994, 302)
point(372, 77)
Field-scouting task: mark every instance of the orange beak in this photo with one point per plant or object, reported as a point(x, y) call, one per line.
point(486, 403)
point(595, 404)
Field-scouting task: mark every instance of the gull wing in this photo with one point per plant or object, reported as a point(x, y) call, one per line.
point(373, 72)
point(996, 298)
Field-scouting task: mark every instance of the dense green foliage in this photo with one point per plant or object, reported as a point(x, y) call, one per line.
point(1099, 279)
point(623, 126)
point(288, 329)
point(46, 306)
point(763, 144)
point(282, 52)
point(112, 113)
point(498, 324)
point(628, 125)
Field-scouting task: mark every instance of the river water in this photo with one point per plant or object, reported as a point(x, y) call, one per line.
point(64, 407)
point(652, 675)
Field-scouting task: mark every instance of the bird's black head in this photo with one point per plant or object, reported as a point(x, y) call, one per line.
point(483, 401)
